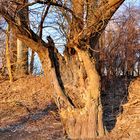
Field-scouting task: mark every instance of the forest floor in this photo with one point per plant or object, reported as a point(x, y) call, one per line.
point(28, 113)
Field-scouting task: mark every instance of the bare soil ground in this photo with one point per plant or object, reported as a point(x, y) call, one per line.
point(28, 113)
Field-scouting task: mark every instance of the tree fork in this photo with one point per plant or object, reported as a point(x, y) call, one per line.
point(49, 70)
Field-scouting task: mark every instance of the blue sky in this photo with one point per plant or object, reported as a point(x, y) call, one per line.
point(134, 2)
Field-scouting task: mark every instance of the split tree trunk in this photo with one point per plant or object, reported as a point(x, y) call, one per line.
point(76, 89)
point(84, 122)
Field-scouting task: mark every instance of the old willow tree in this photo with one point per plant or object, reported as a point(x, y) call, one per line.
point(75, 81)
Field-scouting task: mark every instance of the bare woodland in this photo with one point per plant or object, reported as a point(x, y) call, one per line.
point(82, 47)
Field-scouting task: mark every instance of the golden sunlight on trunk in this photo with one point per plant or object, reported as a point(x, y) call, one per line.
point(8, 54)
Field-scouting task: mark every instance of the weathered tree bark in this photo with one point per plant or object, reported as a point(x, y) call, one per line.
point(85, 120)
point(84, 108)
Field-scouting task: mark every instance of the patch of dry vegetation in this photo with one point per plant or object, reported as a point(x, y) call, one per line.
point(22, 97)
point(26, 107)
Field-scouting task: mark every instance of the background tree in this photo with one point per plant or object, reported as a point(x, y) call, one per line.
point(119, 54)
point(8, 54)
point(22, 49)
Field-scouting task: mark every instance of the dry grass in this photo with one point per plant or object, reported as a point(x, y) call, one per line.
point(26, 107)
point(27, 112)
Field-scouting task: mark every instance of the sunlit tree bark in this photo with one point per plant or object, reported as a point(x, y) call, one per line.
point(8, 62)
point(22, 49)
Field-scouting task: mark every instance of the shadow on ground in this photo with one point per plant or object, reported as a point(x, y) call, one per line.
point(114, 94)
point(41, 125)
